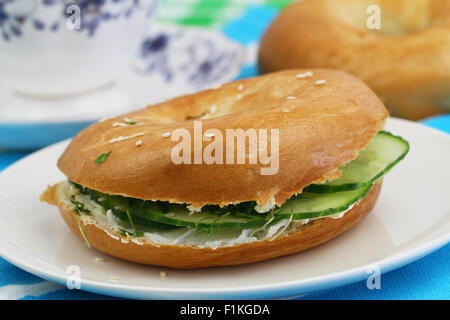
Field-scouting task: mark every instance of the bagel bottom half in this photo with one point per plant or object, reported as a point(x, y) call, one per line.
point(309, 235)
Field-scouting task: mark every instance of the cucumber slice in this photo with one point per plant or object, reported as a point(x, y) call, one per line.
point(305, 206)
point(178, 215)
point(139, 223)
point(382, 153)
point(163, 215)
point(121, 208)
point(157, 215)
point(143, 215)
point(314, 205)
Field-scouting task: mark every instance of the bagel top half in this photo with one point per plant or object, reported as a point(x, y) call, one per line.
point(322, 126)
point(406, 61)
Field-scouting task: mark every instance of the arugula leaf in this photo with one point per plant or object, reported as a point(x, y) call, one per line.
point(79, 207)
point(138, 234)
point(102, 158)
point(83, 233)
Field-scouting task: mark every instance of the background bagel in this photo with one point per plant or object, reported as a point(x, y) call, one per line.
point(321, 129)
point(407, 62)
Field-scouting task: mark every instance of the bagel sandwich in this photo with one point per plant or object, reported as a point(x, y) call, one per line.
point(404, 58)
point(125, 196)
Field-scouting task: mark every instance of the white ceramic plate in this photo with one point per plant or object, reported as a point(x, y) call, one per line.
point(410, 220)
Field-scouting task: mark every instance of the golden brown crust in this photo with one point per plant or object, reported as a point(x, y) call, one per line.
point(325, 127)
point(187, 257)
point(407, 62)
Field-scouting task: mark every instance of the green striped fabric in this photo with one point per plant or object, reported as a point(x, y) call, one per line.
point(208, 12)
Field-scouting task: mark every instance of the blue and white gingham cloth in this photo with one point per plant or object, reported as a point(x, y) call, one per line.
point(428, 278)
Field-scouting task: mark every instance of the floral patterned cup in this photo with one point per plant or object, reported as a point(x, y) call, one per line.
point(67, 47)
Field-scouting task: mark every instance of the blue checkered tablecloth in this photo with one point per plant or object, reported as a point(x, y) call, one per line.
point(428, 278)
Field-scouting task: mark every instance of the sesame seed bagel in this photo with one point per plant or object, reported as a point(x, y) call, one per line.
point(324, 119)
point(406, 62)
point(187, 257)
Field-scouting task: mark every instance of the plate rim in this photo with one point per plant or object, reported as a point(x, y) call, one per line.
point(279, 289)
point(282, 289)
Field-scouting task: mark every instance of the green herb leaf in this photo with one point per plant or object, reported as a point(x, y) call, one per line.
point(138, 234)
point(83, 234)
point(124, 233)
point(131, 123)
point(102, 158)
point(131, 220)
point(79, 207)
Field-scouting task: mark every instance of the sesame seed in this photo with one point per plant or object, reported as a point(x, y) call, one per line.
point(98, 259)
point(290, 98)
point(240, 87)
point(136, 241)
point(126, 119)
point(239, 97)
point(320, 82)
point(138, 143)
point(114, 279)
point(162, 275)
point(165, 134)
point(304, 75)
point(121, 138)
point(285, 110)
point(119, 124)
point(213, 108)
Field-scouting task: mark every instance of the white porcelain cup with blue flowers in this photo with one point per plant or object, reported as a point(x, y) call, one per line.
point(66, 47)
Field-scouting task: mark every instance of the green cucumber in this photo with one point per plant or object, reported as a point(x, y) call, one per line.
point(315, 205)
point(304, 206)
point(178, 215)
point(164, 215)
point(139, 223)
point(382, 153)
point(121, 208)
point(158, 215)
